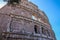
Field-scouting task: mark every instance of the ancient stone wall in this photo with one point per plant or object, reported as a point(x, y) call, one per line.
point(24, 22)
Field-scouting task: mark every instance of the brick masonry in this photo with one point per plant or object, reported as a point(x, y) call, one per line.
point(16, 23)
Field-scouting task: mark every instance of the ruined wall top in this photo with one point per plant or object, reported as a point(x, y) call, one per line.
point(27, 5)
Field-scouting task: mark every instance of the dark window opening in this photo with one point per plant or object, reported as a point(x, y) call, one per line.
point(42, 30)
point(45, 31)
point(35, 29)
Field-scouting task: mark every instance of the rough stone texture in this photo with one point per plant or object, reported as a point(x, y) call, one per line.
point(16, 23)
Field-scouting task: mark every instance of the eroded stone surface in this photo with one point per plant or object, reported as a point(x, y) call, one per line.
point(16, 23)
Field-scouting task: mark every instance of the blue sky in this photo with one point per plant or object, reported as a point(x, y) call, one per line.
point(2, 3)
point(52, 10)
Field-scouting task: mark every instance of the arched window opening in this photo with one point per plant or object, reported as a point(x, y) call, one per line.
point(36, 29)
point(43, 31)
point(39, 19)
point(34, 16)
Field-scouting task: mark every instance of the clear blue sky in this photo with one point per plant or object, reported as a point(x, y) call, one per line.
point(52, 10)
